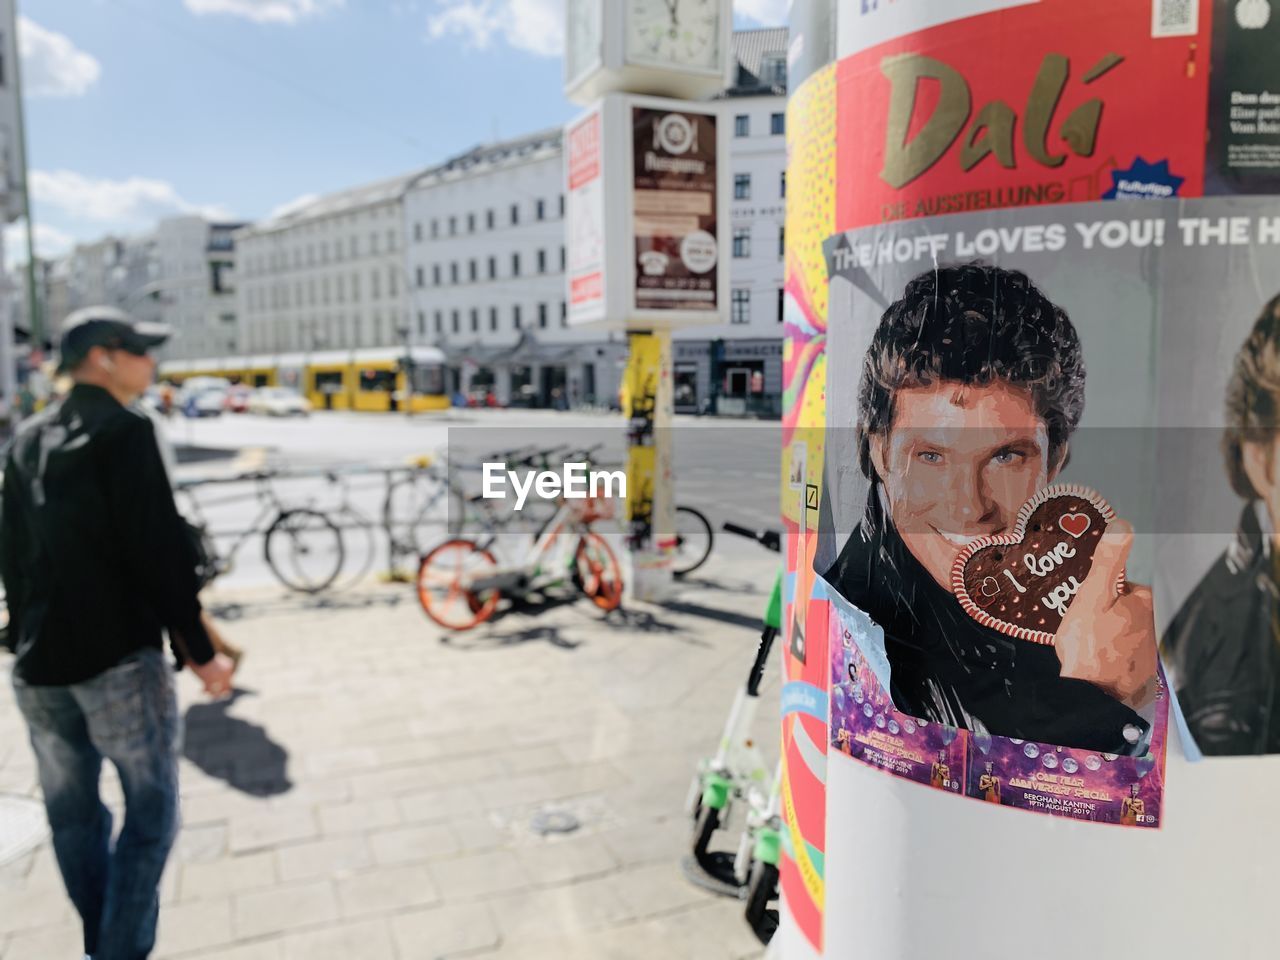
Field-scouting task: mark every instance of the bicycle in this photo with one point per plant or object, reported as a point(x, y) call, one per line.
point(737, 773)
point(694, 540)
point(301, 545)
point(423, 498)
point(460, 582)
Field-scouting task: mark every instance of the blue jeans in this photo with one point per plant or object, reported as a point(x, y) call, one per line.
point(128, 714)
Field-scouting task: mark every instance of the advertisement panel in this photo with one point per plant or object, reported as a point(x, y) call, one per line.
point(1056, 101)
point(989, 452)
point(1218, 580)
point(585, 219)
point(1244, 99)
point(674, 204)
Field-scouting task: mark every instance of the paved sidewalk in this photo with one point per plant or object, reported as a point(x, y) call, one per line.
point(369, 792)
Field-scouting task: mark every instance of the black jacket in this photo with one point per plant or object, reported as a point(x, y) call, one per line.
point(93, 554)
point(1221, 650)
point(948, 668)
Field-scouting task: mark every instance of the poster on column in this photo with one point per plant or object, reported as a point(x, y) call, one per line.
point(675, 203)
point(979, 104)
point(986, 510)
point(1218, 502)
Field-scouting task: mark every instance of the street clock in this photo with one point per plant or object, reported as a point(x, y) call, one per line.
point(673, 48)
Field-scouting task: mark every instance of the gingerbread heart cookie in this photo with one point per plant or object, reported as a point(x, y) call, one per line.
point(1022, 583)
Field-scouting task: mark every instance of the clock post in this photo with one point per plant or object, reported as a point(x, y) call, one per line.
point(645, 200)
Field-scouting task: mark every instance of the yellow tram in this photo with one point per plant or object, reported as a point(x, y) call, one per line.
point(374, 380)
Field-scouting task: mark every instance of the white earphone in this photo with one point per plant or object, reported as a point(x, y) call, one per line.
point(106, 363)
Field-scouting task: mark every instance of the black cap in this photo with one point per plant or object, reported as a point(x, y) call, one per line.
point(106, 327)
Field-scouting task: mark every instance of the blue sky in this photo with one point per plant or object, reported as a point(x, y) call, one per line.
point(140, 109)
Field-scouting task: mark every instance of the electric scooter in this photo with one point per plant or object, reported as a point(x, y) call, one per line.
point(737, 774)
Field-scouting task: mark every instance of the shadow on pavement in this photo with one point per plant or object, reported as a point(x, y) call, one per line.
point(491, 639)
point(293, 603)
point(755, 621)
point(233, 750)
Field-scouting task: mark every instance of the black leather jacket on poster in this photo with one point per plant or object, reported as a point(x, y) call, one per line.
point(1221, 649)
point(94, 556)
point(948, 668)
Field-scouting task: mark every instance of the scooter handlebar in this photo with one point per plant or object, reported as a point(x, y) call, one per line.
point(769, 539)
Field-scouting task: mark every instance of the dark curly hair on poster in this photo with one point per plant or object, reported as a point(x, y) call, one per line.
point(973, 323)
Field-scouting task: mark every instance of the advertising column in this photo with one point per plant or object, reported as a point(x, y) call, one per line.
point(1033, 320)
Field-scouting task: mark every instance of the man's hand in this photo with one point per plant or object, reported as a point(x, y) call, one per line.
point(1106, 638)
point(215, 674)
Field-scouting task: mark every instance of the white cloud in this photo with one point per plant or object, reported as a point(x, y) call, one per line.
point(264, 11)
point(50, 242)
point(123, 204)
point(537, 26)
point(53, 66)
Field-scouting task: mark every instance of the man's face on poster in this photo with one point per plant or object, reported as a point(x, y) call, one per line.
point(958, 462)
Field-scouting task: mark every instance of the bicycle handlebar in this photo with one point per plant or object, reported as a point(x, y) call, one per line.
point(769, 539)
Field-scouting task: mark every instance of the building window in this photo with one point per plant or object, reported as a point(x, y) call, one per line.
point(493, 268)
point(777, 124)
point(473, 271)
point(453, 226)
point(375, 285)
point(773, 70)
point(475, 320)
point(564, 314)
point(355, 286)
point(562, 259)
point(373, 242)
point(453, 273)
point(541, 210)
point(435, 274)
point(454, 321)
point(782, 185)
point(417, 232)
point(515, 214)
point(741, 242)
point(471, 223)
point(742, 186)
point(422, 324)
point(515, 316)
point(782, 305)
point(515, 264)
point(542, 316)
point(782, 241)
point(562, 205)
point(742, 125)
point(439, 321)
point(493, 318)
point(488, 219)
point(420, 277)
point(740, 307)
point(435, 229)
point(393, 286)
point(542, 259)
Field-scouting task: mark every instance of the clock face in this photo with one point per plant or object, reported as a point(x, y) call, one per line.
point(682, 33)
point(582, 36)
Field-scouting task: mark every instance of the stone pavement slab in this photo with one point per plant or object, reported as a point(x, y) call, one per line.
point(370, 791)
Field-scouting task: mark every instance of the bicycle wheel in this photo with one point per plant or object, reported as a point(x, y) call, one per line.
point(418, 509)
point(598, 573)
point(693, 541)
point(304, 550)
point(443, 584)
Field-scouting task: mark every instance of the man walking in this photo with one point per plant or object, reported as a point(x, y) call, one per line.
point(96, 565)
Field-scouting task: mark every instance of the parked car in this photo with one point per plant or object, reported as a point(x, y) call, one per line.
point(205, 403)
point(279, 402)
point(238, 398)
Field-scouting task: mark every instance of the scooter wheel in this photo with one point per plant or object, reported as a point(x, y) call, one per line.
point(704, 828)
point(762, 889)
